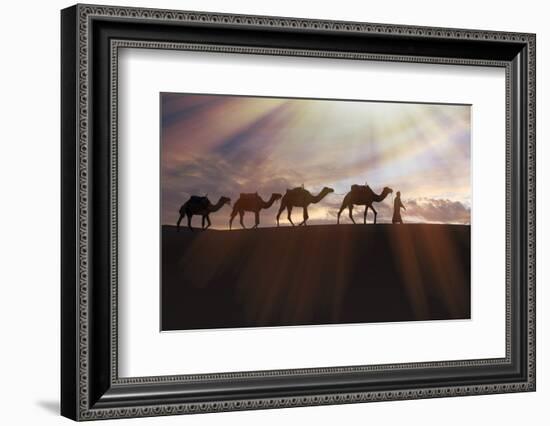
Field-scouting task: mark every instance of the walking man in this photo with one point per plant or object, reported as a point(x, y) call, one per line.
point(397, 205)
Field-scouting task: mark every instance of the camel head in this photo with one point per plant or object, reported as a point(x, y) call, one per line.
point(387, 190)
point(225, 200)
point(274, 197)
point(324, 192)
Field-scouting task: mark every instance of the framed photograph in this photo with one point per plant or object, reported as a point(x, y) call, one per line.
point(324, 268)
point(263, 212)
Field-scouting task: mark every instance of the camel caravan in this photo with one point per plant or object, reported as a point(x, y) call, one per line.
point(359, 195)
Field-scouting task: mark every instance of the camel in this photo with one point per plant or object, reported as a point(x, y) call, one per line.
point(300, 197)
point(200, 206)
point(362, 195)
point(251, 203)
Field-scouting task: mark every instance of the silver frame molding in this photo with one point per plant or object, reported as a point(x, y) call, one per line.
point(91, 387)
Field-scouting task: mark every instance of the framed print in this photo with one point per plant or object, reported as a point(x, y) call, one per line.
point(263, 212)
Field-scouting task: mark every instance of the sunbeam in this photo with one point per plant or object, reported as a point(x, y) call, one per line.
point(226, 145)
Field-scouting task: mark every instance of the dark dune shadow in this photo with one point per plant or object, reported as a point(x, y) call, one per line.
point(325, 274)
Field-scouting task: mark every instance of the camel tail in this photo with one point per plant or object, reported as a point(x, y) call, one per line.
point(182, 208)
point(284, 203)
point(236, 207)
point(182, 213)
point(345, 204)
point(234, 212)
point(282, 207)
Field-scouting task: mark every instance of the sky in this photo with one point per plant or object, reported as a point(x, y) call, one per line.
point(219, 145)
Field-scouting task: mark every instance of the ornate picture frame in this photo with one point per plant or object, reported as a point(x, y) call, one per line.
point(91, 38)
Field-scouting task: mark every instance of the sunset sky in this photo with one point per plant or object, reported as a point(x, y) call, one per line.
point(225, 145)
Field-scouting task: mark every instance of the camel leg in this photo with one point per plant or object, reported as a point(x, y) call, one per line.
point(365, 216)
point(339, 213)
point(189, 222)
point(179, 221)
point(202, 222)
point(281, 208)
point(289, 214)
point(208, 221)
point(350, 209)
point(256, 219)
point(233, 214)
point(241, 215)
point(375, 213)
point(306, 217)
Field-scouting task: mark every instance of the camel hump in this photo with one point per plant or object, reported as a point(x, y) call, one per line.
point(297, 190)
point(297, 194)
point(361, 189)
point(248, 195)
point(199, 201)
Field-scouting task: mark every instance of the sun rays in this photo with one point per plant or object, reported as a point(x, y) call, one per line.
point(225, 145)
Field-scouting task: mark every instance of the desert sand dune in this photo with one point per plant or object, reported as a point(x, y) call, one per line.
point(322, 274)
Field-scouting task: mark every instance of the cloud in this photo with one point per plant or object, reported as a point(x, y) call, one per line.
point(438, 210)
point(227, 145)
point(419, 210)
point(216, 177)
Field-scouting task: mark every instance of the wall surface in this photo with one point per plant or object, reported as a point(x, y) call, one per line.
point(29, 237)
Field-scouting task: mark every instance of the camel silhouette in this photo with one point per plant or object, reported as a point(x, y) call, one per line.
point(362, 195)
point(251, 203)
point(300, 197)
point(200, 206)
